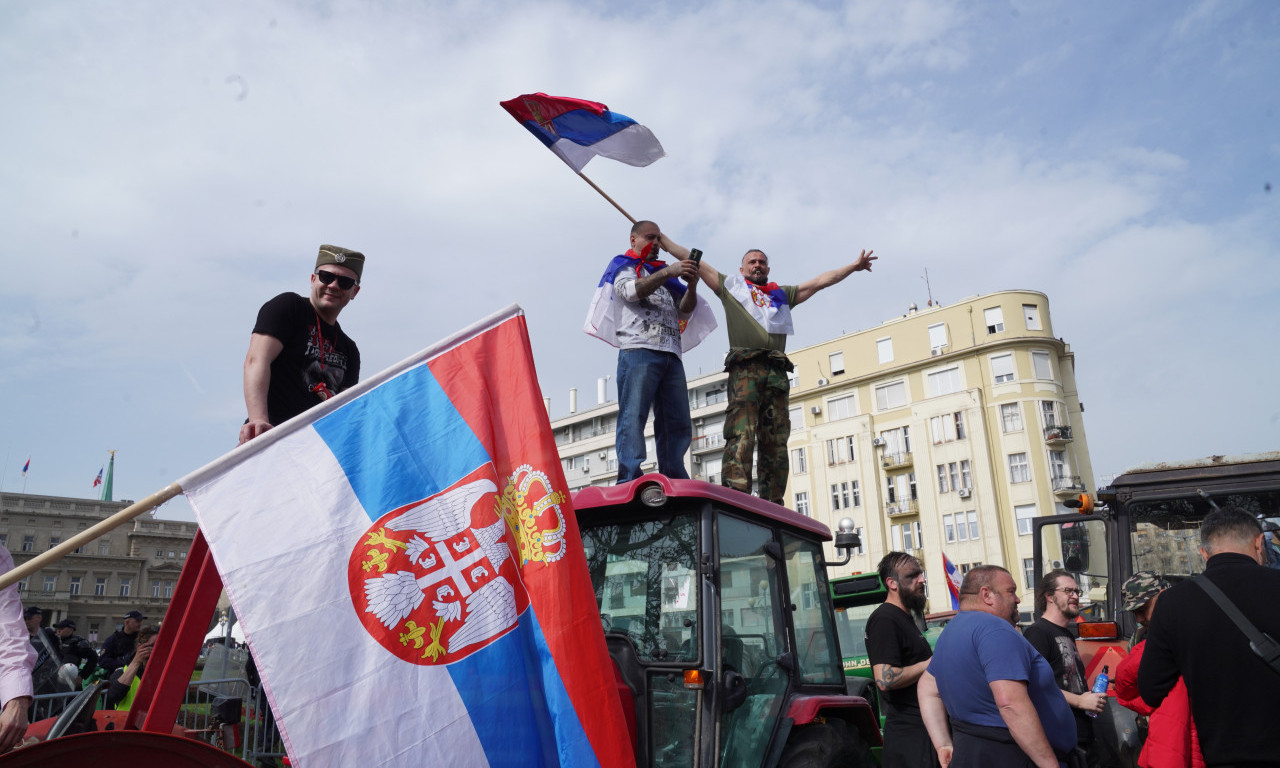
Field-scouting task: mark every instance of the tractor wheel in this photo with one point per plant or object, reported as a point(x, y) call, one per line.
point(830, 744)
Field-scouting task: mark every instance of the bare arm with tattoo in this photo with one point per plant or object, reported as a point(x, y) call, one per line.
point(891, 678)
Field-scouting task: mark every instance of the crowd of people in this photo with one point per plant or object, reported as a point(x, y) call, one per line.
point(989, 695)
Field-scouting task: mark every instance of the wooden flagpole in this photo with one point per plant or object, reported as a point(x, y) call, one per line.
point(89, 534)
point(606, 197)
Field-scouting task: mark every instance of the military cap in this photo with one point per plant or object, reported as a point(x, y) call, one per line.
point(1139, 588)
point(343, 257)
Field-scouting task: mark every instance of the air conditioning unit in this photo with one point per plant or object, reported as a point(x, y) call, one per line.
point(586, 470)
point(822, 382)
point(1056, 563)
point(815, 409)
point(965, 493)
point(604, 454)
point(877, 442)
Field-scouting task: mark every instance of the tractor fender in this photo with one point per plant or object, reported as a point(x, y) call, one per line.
point(854, 710)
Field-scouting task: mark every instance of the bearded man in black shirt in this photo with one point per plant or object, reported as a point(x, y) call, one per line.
point(899, 654)
point(298, 355)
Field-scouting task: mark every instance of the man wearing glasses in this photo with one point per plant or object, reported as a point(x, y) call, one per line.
point(298, 355)
point(1058, 604)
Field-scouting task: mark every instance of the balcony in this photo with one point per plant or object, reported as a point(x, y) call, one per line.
point(1055, 434)
point(1067, 485)
point(900, 508)
point(896, 460)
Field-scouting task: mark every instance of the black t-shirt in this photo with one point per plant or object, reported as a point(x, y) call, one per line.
point(1058, 646)
point(894, 639)
point(314, 353)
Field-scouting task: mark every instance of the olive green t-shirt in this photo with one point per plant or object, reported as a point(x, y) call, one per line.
point(744, 331)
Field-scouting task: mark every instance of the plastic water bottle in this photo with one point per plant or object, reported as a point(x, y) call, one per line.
point(1100, 685)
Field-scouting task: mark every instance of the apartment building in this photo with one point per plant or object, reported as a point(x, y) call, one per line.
point(943, 431)
point(136, 566)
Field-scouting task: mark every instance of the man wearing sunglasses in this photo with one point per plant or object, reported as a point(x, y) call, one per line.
point(298, 355)
point(1058, 603)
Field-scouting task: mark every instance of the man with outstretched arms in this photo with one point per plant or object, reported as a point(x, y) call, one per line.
point(899, 654)
point(642, 307)
point(987, 698)
point(298, 355)
point(758, 316)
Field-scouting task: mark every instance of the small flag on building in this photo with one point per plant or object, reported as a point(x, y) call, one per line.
point(25, 467)
point(953, 581)
point(409, 573)
point(577, 130)
point(97, 481)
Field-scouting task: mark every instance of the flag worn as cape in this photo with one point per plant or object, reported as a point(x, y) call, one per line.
point(408, 570)
point(578, 130)
point(602, 312)
point(953, 581)
point(769, 307)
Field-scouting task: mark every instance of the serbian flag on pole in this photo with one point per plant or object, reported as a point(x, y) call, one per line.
point(25, 467)
point(953, 581)
point(408, 570)
point(97, 481)
point(578, 130)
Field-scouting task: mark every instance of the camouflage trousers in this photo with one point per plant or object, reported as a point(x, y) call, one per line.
point(757, 414)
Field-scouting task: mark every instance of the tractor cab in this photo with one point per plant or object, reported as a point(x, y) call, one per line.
point(717, 614)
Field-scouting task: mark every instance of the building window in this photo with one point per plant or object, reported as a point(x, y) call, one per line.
point(842, 495)
point(1025, 513)
point(994, 318)
point(896, 441)
point(28, 543)
point(891, 395)
point(22, 585)
point(182, 555)
point(793, 379)
point(942, 479)
point(860, 549)
point(945, 382)
point(1057, 465)
point(840, 450)
point(4, 540)
point(802, 502)
point(50, 583)
point(104, 547)
point(1049, 412)
point(1002, 368)
point(837, 363)
point(1019, 472)
point(949, 528)
point(937, 338)
point(797, 418)
point(54, 541)
point(854, 494)
point(1032, 315)
point(973, 525)
point(1011, 417)
point(159, 553)
point(74, 589)
point(1040, 364)
point(953, 471)
point(125, 585)
point(946, 428)
point(908, 536)
point(966, 475)
point(798, 464)
point(100, 588)
point(884, 350)
point(840, 408)
point(168, 589)
point(155, 587)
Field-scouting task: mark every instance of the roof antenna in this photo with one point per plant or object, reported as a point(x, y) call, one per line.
point(928, 288)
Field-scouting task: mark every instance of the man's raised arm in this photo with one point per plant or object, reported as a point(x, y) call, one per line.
point(831, 277)
point(705, 271)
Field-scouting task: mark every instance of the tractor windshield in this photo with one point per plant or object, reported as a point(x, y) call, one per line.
point(643, 574)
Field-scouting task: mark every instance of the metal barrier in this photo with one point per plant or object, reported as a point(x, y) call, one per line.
point(258, 740)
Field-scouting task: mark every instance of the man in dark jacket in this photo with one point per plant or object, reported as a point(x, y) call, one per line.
point(75, 649)
point(1234, 699)
point(118, 649)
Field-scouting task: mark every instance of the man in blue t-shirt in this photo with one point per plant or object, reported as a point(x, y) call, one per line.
point(997, 692)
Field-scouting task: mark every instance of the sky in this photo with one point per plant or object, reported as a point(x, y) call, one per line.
point(171, 166)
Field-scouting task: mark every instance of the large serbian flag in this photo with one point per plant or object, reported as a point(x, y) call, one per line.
point(407, 567)
point(953, 581)
point(578, 130)
point(602, 312)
